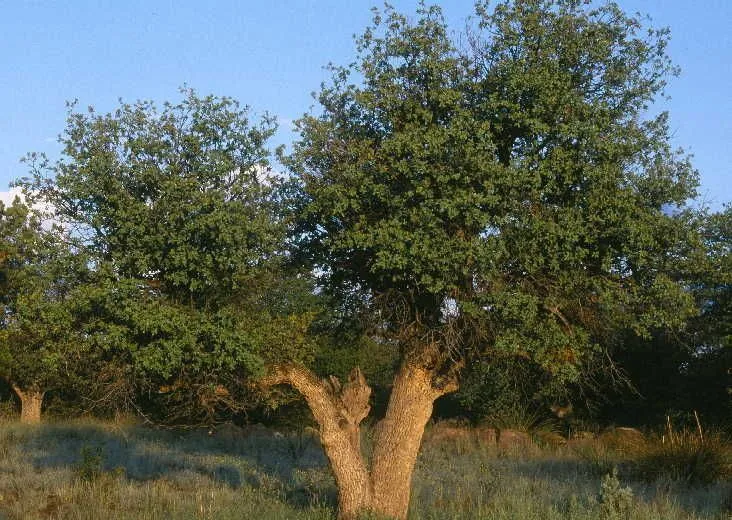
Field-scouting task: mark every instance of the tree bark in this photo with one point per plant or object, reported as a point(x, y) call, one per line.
point(339, 409)
point(31, 401)
point(399, 437)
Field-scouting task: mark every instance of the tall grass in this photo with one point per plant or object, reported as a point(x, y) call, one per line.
point(688, 457)
point(91, 470)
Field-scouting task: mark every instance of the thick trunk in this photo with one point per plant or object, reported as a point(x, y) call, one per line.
point(398, 439)
point(339, 410)
point(31, 401)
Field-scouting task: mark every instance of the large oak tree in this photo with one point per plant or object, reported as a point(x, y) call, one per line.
point(505, 196)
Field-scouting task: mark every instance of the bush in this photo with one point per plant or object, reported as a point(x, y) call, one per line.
point(520, 418)
point(89, 467)
point(616, 502)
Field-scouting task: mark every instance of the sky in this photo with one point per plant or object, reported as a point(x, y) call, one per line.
point(270, 56)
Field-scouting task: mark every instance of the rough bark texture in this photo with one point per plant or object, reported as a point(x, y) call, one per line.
point(339, 409)
point(398, 438)
point(31, 401)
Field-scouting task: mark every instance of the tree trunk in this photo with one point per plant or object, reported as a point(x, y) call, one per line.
point(31, 401)
point(339, 409)
point(398, 439)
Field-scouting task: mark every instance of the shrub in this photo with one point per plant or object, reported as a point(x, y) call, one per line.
point(521, 418)
point(89, 467)
point(616, 502)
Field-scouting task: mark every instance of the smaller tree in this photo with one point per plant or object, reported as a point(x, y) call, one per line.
point(45, 287)
point(690, 365)
point(708, 372)
point(178, 209)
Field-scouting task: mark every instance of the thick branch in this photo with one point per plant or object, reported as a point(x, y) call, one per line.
point(448, 382)
point(565, 322)
point(334, 405)
point(338, 409)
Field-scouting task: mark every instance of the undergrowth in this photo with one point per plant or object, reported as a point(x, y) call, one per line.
point(686, 457)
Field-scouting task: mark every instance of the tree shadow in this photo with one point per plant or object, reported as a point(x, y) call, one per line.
point(292, 465)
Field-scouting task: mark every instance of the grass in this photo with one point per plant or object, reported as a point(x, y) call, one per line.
point(91, 470)
point(687, 457)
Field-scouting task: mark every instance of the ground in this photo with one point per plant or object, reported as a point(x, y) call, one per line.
point(91, 470)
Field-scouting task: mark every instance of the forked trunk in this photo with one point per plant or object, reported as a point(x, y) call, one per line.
point(339, 409)
point(31, 401)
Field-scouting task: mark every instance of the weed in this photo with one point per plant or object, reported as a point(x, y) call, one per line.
point(59, 470)
point(523, 419)
point(686, 457)
point(7, 442)
point(598, 458)
point(616, 502)
point(89, 467)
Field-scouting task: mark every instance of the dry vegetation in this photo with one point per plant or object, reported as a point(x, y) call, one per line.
point(91, 470)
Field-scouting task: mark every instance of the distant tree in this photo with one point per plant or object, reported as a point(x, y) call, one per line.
point(178, 206)
point(509, 198)
point(44, 343)
point(707, 372)
point(714, 292)
point(690, 366)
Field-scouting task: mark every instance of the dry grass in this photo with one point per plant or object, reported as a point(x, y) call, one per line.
point(687, 457)
point(91, 470)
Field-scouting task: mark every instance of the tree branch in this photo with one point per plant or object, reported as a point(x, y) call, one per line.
point(334, 405)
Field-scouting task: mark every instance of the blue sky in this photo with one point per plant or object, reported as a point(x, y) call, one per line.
point(270, 55)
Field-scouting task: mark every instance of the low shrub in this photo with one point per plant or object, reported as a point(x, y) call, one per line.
point(616, 502)
point(89, 467)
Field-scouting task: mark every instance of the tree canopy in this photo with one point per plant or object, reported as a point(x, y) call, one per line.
point(511, 196)
point(515, 185)
point(46, 295)
point(179, 211)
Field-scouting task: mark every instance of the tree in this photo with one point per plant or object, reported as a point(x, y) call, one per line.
point(689, 366)
point(45, 289)
point(180, 210)
point(706, 384)
point(505, 199)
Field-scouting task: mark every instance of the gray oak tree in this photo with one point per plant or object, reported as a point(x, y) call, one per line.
point(182, 217)
point(503, 196)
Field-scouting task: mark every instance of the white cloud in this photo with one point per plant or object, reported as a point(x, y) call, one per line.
point(7, 197)
point(46, 210)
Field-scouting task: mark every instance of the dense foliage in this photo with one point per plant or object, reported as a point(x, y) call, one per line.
point(508, 198)
point(504, 203)
point(179, 211)
point(46, 295)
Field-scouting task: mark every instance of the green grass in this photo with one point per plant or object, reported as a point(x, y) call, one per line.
point(91, 470)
